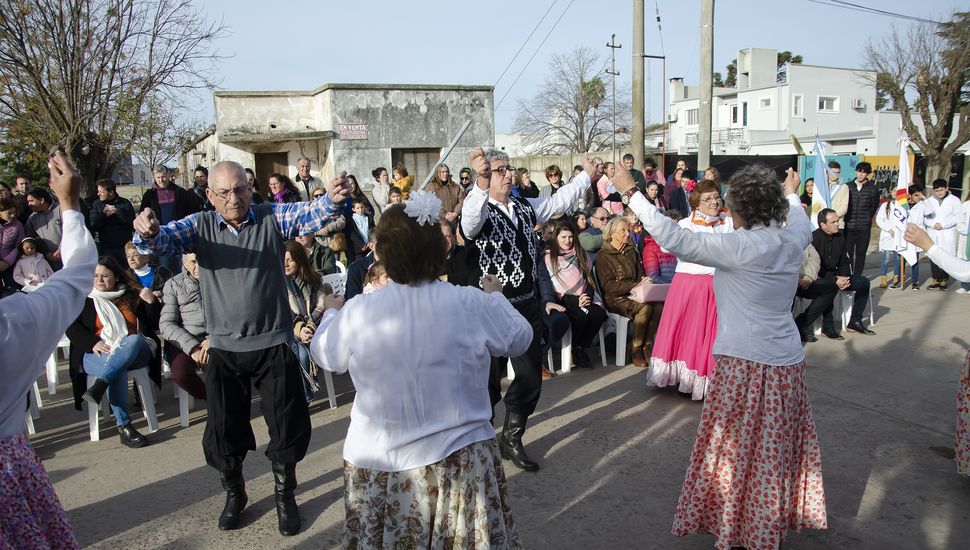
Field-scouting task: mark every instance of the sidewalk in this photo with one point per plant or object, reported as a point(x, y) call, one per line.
point(613, 455)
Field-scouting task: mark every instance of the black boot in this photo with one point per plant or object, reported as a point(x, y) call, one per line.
point(236, 499)
point(130, 437)
point(94, 394)
point(286, 510)
point(510, 443)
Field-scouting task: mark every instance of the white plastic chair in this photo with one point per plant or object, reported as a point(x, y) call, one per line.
point(52, 377)
point(144, 386)
point(186, 403)
point(341, 268)
point(622, 325)
point(843, 305)
point(337, 281)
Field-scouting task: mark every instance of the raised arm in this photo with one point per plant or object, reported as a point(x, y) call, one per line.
point(566, 197)
point(45, 314)
point(473, 209)
point(176, 237)
point(959, 269)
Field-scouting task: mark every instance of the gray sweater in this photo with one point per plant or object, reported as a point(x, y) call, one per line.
point(241, 277)
point(182, 321)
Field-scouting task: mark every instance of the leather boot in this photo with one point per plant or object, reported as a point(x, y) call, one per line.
point(236, 499)
point(510, 443)
point(95, 393)
point(286, 510)
point(131, 438)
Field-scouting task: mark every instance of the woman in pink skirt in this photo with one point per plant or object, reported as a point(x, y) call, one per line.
point(30, 327)
point(755, 471)
point(682, 352)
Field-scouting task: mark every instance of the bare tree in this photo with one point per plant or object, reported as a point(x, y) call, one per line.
point(77, 73)
point(924, 70)
point(573, 112)
point(161, 135)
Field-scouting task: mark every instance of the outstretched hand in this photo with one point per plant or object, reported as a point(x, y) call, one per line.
point(479, 164)
point(915, 235)
point(65, 181)
point(146, 224)
point(339, 188)
point(792, 182)
point(623, 180)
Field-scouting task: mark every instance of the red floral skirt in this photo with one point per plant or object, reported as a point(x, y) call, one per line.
point(756, 468)
point(963, 420)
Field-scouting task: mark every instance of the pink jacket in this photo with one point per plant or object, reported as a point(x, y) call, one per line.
point(32, 270)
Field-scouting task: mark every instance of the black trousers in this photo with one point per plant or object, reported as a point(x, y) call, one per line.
point(856, 244)
point(585, 325)
point(822, 294)
point(276, 374)
point(523, 393)
point(939, 273)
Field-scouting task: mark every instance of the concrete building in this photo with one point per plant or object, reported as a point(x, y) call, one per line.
point(352, 127)
point(768, 106)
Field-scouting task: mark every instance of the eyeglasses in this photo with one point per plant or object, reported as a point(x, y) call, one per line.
point(223, 194)
point(466, 178)
point(600, 218)
point(502, 170)
point(715, 198)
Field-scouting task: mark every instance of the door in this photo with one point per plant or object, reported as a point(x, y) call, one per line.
point(418, 162)
point(268, 164)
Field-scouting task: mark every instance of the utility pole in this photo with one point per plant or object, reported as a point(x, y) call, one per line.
point(637, 83)
point(613, 47)
point(707, 91)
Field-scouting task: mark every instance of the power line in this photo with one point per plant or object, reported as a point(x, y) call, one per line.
point(556, 24)
point(873, 11)
point(660, 33)
point(534, 29)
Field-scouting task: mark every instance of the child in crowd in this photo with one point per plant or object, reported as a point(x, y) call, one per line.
point(376, 278)
point(363, 225)
point(916, 197)
point(338, 244)
point(887, 246)
point(31, 269)
point(394, 196)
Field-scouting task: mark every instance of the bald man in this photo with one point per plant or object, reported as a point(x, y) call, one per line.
point(239, 248)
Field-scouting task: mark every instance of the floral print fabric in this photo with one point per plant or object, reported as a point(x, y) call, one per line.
point(30, 513)
point(460, 502)
point(756, 468)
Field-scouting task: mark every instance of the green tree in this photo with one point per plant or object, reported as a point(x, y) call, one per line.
point(925, 71)
point(732, 69)
point(77, 73)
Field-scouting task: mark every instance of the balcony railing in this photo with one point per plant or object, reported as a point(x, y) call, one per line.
point(727, 136)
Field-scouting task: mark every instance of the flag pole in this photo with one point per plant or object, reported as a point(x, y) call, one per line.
point(445, 153)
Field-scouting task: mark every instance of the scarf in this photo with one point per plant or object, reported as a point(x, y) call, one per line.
point(568, 278)
point(669, 189)
point(166, 195)
point(698, 218)
point(115, 328)
point(279, 197)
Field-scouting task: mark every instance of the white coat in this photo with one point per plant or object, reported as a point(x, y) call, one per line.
point(945, 212)
point(962, 226)
point(883, 219)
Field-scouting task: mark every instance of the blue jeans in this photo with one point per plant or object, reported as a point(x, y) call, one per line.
point(915, 268)
point(887, 257)
point(132, 353)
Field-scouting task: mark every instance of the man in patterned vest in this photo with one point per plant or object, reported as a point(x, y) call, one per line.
point(500, 232)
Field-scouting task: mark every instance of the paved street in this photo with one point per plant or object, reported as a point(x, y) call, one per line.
point(613, 455)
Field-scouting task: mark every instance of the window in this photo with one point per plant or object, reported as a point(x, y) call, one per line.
point(764, 103)
point(692, 117)
point(744, 113)
point(797, 105)
point(734, 114)
point(828, 104)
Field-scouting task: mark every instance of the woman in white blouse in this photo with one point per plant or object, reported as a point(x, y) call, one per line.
point(755, 471)
point(420, 431)
point(30, 326)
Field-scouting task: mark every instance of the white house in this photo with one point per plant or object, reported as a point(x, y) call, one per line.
point(768, 106)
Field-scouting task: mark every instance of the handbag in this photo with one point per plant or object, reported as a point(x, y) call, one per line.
point(648, 292)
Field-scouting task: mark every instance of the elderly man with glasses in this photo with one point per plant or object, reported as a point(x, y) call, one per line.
point(239, 248)
point(498, 229)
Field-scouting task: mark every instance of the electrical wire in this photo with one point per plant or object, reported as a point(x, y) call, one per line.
point(556, 24)
point(660, 33)
point(874, 11)
point(516, 56)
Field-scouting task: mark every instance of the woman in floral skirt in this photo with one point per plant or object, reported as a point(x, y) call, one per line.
point(422, 468)
point(756, 470)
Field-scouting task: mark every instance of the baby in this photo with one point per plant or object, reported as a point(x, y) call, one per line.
point(32, 269)
point(376, 278)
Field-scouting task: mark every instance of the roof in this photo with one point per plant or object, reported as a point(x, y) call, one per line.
point(352, 86)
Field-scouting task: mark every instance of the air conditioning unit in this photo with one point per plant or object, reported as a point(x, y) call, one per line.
point(672, 116)
point(858, 103)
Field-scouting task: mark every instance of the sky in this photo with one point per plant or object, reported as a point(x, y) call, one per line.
point(301, 44)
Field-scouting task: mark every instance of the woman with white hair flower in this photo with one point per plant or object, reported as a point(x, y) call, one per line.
point(421, 463)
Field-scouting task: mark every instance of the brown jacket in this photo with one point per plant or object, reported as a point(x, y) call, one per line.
point(618, 273)
point(451, 195)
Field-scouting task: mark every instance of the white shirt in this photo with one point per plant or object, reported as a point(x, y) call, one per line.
point(958, 268)
point(698, 269)
point(474, 210)
point(755, 281)
point(945, 212)
point(31, 325)
point(419, 358)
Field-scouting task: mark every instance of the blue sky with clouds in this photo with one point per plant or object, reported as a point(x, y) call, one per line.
point(301, 44)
